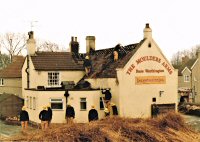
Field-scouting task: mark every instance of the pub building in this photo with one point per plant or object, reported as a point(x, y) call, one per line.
point(137, 76)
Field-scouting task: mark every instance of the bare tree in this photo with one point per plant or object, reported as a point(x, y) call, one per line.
point(4, 60)
point(47, 46)
point(13, 43)
point(176, 58)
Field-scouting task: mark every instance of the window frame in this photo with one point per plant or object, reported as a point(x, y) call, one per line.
point(186, 78)
point(83, 100)
point(101, 103)
point(57, 100)
point(27, 101)
point(34, 103)
point(53, 84)
point(1, 82)
point(30, 102)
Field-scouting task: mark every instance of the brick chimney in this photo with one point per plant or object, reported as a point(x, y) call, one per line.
point(90, 43)
point(31, 44)
point(147, 31)
point(74, 45)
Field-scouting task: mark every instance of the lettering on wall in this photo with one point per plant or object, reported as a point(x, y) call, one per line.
point(147, 59)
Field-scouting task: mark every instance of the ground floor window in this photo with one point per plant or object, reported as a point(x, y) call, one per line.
point(27, 102)
point(1, 82)
point(101, 103)
point(30, 103)
point(83, 104)
point(56, 104)
point(34, 103)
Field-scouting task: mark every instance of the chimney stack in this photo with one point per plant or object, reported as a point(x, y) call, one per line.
point(147, 31)
point(74, 45)
point(31, 44)
point(90, 44)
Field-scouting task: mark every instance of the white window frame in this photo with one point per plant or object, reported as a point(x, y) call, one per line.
point(83, 100)
point(186, 78)
point(1, 82)
point(55, 82)
point(27, 101)
point(34, 103)
point(30, 103)
point(101, 102)
point(56, 100)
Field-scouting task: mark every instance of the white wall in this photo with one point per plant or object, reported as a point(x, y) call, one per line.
point(92, 98)
point(136, 100)
point(40, 78)
point(43, 99)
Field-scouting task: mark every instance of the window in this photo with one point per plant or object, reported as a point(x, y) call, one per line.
point(27, 102)
point(101, 103)
point(56, 104)
point(186, 78)
point(83, 104)
point(34, 103)
point(30, 103)
point(149, 45)
point(53, 79)
point(1, 82)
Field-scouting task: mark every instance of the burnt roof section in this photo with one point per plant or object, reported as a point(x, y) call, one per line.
point(103, 65)
point(55, 61)
point(188, 64)
point(13, 70)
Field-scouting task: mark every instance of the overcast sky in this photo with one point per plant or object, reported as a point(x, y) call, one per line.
point(175, 24)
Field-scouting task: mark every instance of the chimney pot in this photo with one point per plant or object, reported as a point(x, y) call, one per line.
point(72, 38)
point(147, 25)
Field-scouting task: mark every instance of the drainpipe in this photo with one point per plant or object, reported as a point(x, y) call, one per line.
point(27, 72)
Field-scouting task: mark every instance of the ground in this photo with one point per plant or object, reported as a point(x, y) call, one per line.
point(165, 128)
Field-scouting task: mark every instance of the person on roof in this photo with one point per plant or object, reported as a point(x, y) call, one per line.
point(93, 114)
point(24, 118)
point(70, 114)
point(116, 52)
point(87, 65)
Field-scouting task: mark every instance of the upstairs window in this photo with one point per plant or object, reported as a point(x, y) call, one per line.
point(53, 79)
point(186, 78)
point(1, 82)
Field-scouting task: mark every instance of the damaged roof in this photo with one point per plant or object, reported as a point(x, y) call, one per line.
point(13, 70)
point(103, 65)
point(55, 61)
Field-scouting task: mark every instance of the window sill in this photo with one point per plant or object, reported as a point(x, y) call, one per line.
point(83, 110)
point(57, 110)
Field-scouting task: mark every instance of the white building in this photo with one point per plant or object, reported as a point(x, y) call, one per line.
point(140, 77)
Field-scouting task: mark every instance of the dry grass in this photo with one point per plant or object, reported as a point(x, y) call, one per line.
point(167, 128)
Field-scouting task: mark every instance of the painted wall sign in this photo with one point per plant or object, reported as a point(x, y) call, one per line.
point(147, 59)
point(139, 80)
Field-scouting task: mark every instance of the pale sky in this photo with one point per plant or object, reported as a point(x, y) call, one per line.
point(175, 24)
